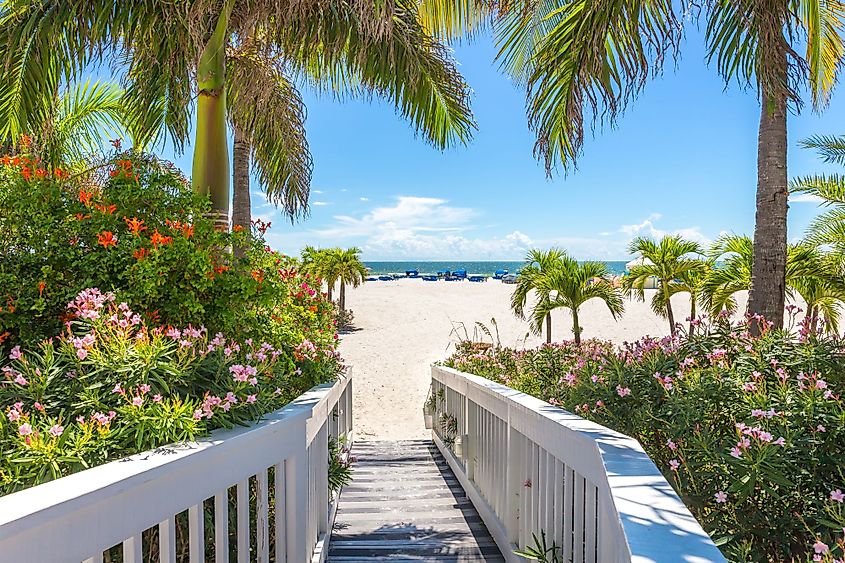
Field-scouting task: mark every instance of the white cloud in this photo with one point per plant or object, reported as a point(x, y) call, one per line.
point(320, 203)
point(364, 198)
point(805, 198)
point(316, 191)
point(647, 228)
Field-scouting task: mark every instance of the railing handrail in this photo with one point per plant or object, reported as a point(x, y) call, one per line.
point(653, 522)
point(181, 475)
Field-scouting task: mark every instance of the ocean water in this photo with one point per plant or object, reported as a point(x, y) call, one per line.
point(482, 268)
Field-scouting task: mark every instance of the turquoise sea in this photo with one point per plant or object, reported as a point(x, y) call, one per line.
point(483, 268)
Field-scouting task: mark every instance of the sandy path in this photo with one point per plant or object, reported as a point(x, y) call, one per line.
point(403, 326)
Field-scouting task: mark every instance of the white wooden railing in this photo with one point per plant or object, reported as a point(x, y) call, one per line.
point(275, 472)
point(530, 467)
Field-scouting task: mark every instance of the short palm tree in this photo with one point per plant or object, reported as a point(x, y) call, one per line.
point(827, 228)
point(316, 262)
point(569, 285)
point(533, 278)
point(582, 58)
point(347, 266)
point(669, 261)
point(177, 57)
point(692, 282)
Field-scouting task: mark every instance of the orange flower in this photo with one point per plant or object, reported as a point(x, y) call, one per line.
point(41, 286)
point(113, 173)
point(107, 209)
point(26, 173)
point(238, 228)
point(4, 336)
point(158, 239)
point(26, 140)
point(141, 253)
point(6, 160)
point(187, 230)
point(106, 239)
point(86, 197)
point(16, 160)
point(40, 172)
point(81, 217)
point(135, 225)
point(220, 269)
point(258, 276)
point(59, 173)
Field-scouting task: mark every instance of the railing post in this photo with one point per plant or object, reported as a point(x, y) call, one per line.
point(512, 483)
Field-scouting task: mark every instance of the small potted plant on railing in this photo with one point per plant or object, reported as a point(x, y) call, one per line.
point(430, 408)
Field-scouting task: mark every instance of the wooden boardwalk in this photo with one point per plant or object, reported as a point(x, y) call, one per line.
point(405, 504)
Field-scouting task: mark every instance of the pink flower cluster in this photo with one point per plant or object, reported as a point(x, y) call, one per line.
point(243, 374)
point(89, 302)
point(83, 345)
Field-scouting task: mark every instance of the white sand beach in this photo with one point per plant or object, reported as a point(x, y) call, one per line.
point(402, 326)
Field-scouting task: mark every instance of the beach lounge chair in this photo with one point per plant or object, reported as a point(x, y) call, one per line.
point(477, 278)
point(500, 274)
point(371, 278)
point(385, 278)
point(444, 273)
point(412, 273)
point(430, 278)
point(461, 273)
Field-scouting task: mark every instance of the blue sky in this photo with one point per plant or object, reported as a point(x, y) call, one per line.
point(682, 159)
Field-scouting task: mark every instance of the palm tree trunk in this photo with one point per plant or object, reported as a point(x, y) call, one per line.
point(576, 330)
point(691, 313)
point(814, 318)
point(329, 294)
point(241, 211)
point(768, 267)
point(669, 313)
point(210, 172)
point(548, 328)
point(342, 297)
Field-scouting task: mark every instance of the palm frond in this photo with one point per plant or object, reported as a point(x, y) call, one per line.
point(267, 108)
point(830, 147)
point(87, 114)
point(453, 19)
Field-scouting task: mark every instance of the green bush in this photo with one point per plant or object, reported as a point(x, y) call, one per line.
point(749, 430)
point(131, 224)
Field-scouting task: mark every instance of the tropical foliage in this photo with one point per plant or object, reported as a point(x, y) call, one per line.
point(335, 265)
point(665, 261)
point(748, 430)
point(232, 59)
point(586, 60)
point(559, 281)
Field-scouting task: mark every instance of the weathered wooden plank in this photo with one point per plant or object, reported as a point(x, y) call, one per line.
point(404, 504)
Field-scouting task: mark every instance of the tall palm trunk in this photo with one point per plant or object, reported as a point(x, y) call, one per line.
point(210, 172)
point(331, 287)
point(768, 266)
point(342, 297)
point(548, 328)
point(814, 318)
point(669, 313)
point(576, 330)
point(241, 211)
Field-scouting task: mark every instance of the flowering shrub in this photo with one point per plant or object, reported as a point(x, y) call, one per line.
point(110, 386)
point(749, 430)
point(133, 225)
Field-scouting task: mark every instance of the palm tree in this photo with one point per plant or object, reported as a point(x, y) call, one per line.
point(316, 261)
point(69, 126)
point(809, 273)
point(827, 228)
point(587, 56)
point(534, 278)
point(667, 260)
point(692, 282)
point(178, 52)
point(347, 266)
point(570, 285)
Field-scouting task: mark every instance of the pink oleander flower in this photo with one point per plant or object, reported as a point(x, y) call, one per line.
point(736, 452)
point(20, 379)
point(13, 415)
point(278, 391)
point(230, 397)
point(749, 386)
point(137, 401)
point(820, 547)
point(837, 495)
point(821, 428)
point(157, 398)
point(56, 430)
point(674, 464)
point(253, 381)
point(144, 388)
point(671, 445)
point(15, 353)
point(38, 406)
point(174, 333)
point(780, 441)
point(80, 419)
point(623, 391)
point(118, 389)
point(24, 429)
point(251, 398)
point(721, 497)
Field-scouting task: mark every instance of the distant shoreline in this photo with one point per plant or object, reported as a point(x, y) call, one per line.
point(484, 268)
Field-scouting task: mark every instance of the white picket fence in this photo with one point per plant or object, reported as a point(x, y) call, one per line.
point(276, 469)
point(530, 467)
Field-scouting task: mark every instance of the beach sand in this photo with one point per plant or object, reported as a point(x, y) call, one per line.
point(402, 326)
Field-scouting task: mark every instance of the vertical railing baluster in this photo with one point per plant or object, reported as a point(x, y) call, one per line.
point(196, 534)
point(590, 523)
point(167, 541)
point(132, 550)
point(243, 520)
point(262, 522)
point(279, 503)
point(221, 526)
point(568, 509)
point(578, 543)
